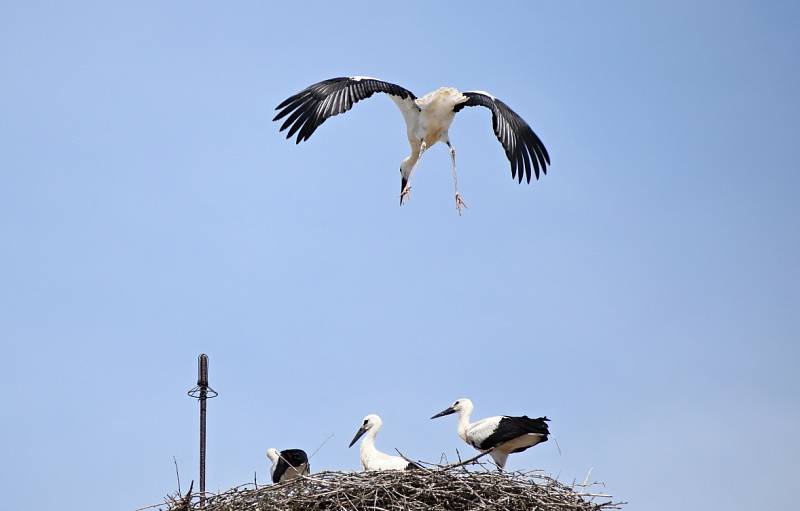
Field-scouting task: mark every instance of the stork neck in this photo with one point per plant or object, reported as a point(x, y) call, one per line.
point(463, 423)
point(408, 164)
point(368, 443)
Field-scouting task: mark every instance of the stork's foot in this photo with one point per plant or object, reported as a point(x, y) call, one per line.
point(460, 203)
point(405, 195)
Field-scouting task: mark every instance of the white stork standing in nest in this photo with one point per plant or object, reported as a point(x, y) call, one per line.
point(502, 435)
point(427, 119)
point(288, 464)
point(371, 457)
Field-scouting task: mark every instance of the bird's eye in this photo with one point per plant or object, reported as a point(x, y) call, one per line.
point(365, 422)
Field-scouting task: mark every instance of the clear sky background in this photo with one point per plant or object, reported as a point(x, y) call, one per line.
point(644, 294)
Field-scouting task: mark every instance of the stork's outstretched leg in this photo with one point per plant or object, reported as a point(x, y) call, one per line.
point(405, 187)
point(459, 201)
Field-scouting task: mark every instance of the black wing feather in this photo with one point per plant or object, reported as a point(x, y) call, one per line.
point(510, 428)
point(523, 148)
point(294, 457)
point(280, 468)
point(312, 106)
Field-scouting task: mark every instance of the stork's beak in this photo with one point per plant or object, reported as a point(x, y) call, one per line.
point(360, 432)
point(403, 183)
point(443, 413)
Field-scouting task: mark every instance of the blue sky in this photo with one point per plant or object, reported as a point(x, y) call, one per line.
point(643, 294)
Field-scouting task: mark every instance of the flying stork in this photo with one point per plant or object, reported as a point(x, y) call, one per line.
point(427, 120)
point(288, 464)
point(502, 435)
point(371, 457)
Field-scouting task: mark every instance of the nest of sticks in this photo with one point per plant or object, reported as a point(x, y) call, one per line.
point(434, 489)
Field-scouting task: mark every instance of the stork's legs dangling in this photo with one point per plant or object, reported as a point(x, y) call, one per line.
point(459, 201)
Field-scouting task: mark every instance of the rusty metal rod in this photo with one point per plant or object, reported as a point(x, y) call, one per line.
point(202, 392)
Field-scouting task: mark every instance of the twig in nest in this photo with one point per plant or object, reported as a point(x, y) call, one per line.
point(417, 463)
point(182, 503)
point(177, 474)
point(462, 463)
point(320, 446)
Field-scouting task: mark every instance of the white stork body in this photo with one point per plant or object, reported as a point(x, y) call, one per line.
point(428, 121)
point(288, 464)
point(434, 117)
point(502, 435)
point(371, 457)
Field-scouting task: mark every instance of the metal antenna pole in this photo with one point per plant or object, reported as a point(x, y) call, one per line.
point(202, 392)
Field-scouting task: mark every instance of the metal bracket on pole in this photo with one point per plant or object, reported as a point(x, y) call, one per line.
point(202, 392)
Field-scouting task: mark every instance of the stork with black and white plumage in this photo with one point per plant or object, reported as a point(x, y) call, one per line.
point(371, 457)
point(288, 464)
point(427, 120)
point(502, 435)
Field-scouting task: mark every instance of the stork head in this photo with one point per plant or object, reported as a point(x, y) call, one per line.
point(405, 167)
point(405, 173)
point(370, 422)
point(461, 406)
point(273, 454)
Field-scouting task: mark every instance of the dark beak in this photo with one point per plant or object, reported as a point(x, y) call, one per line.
point(403, 183)
point(360, 432)
point(443, 413)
